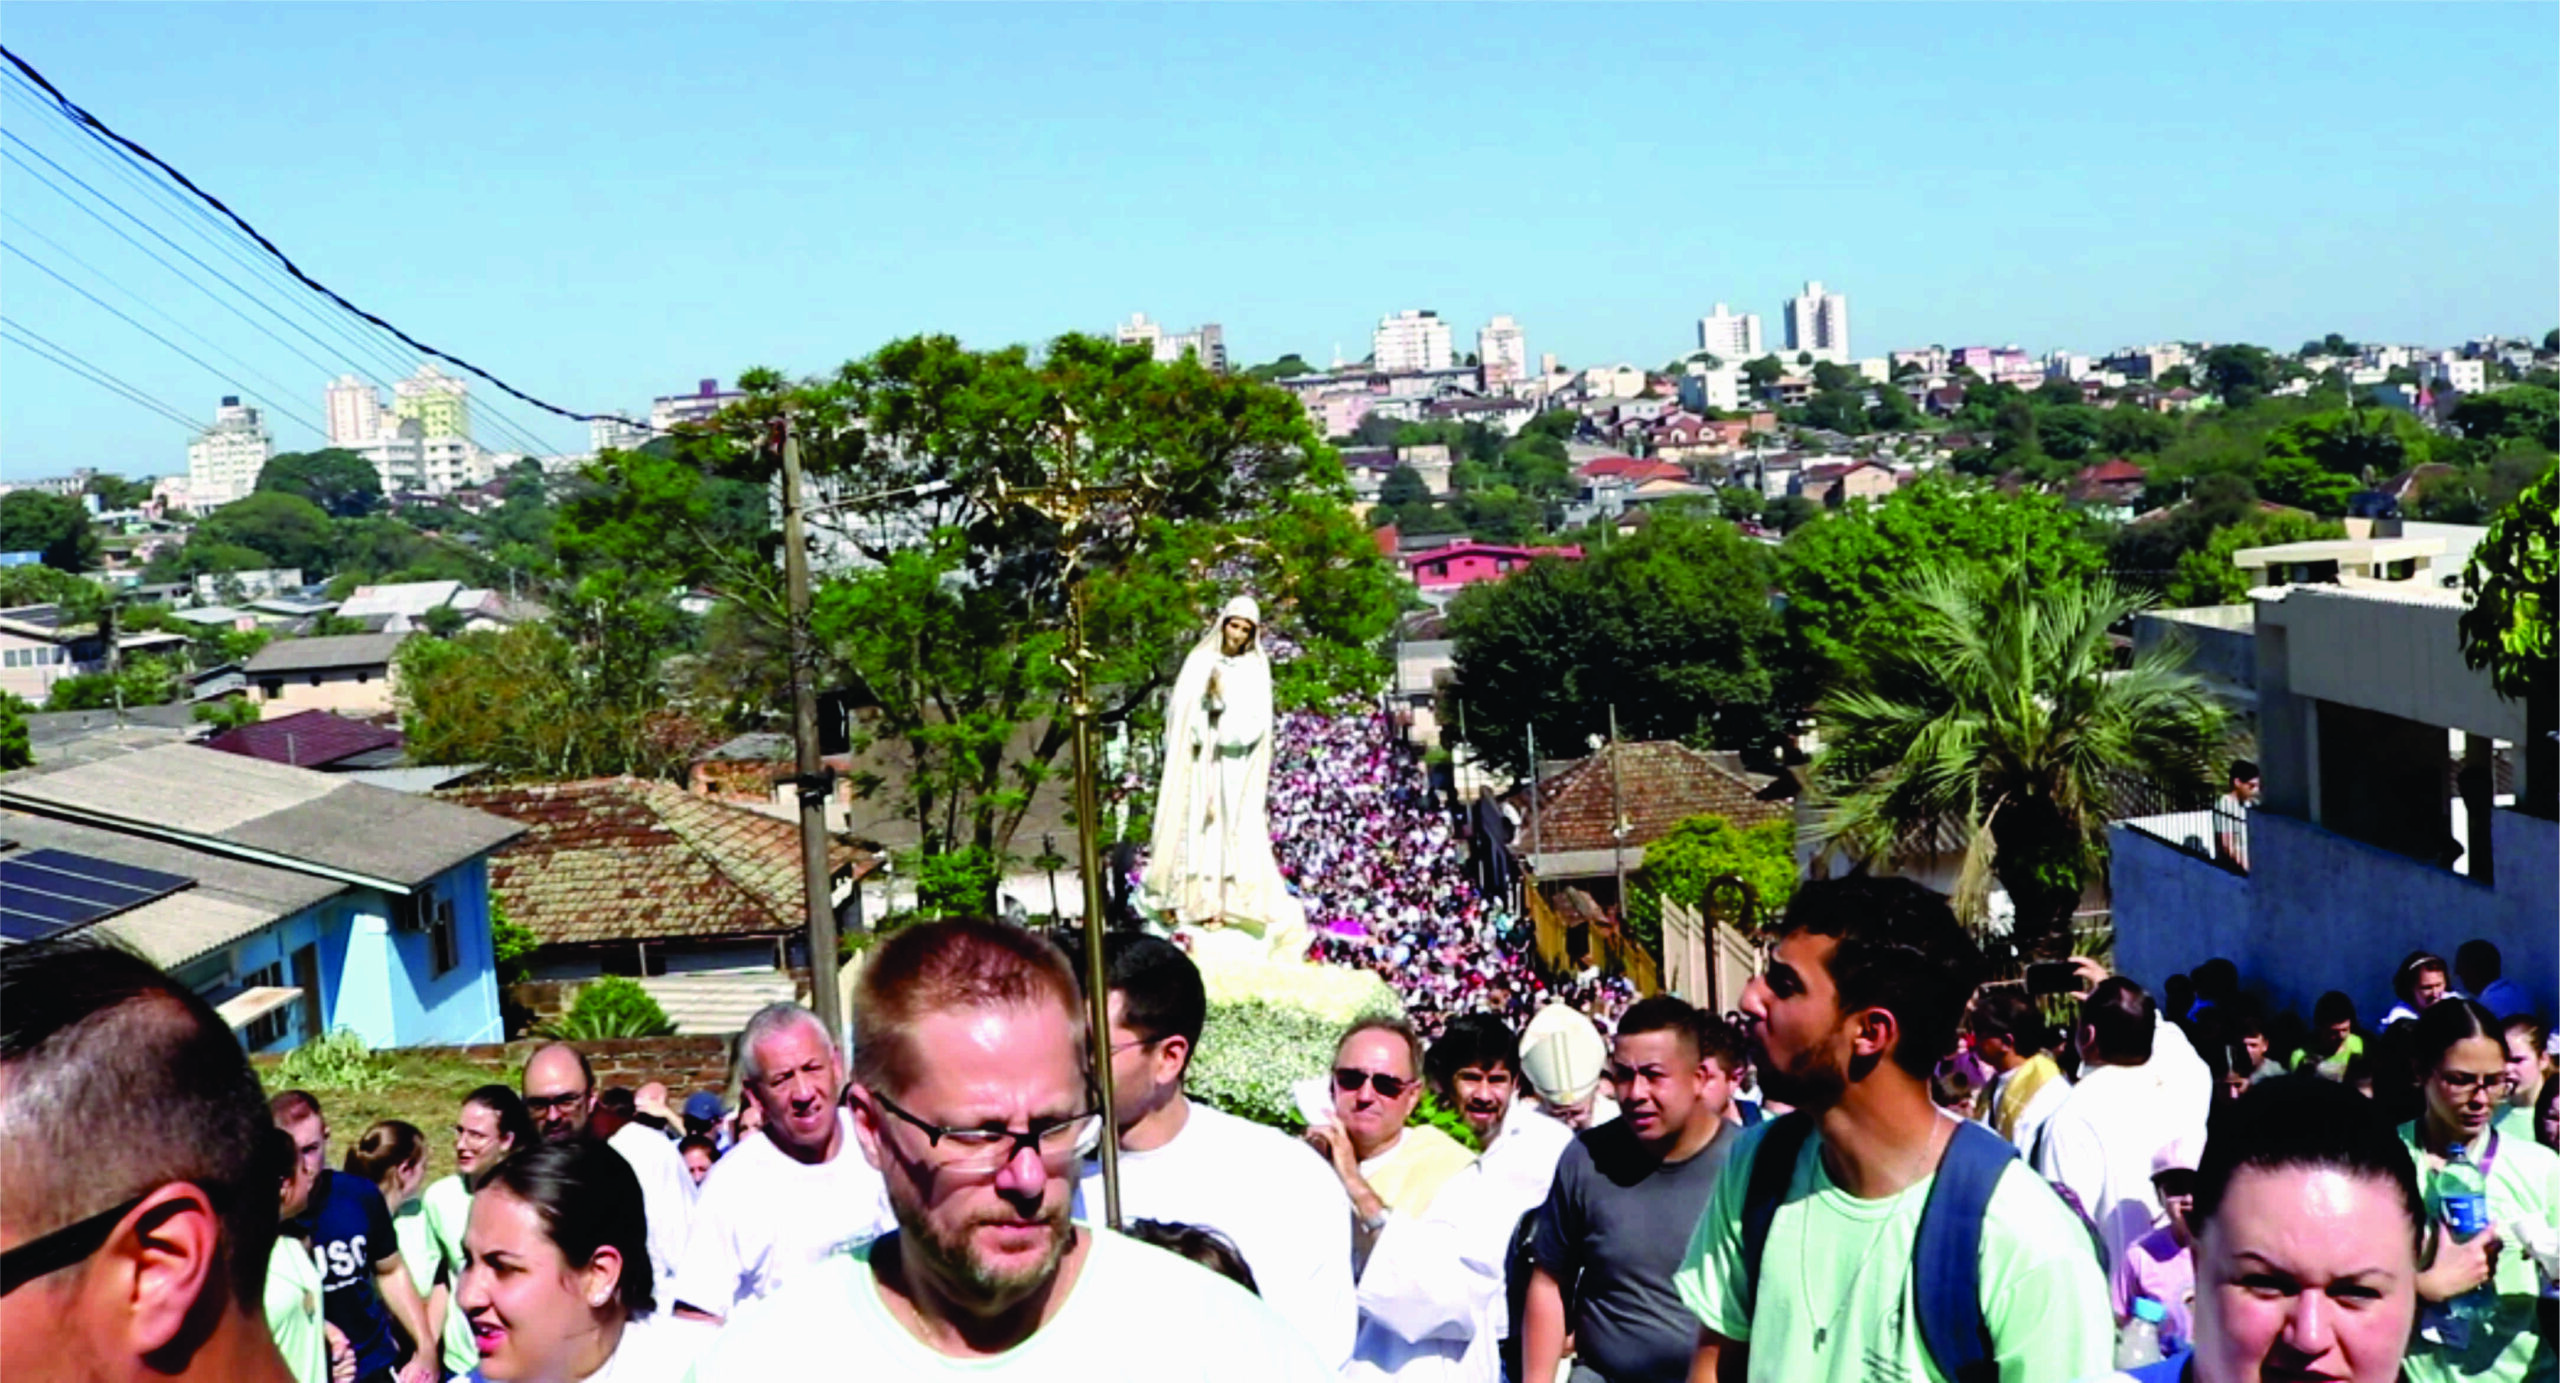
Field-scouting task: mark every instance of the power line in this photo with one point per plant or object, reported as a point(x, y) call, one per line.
point(126, 318)
point(227, 241)
point(11, 332)
point(78, 116)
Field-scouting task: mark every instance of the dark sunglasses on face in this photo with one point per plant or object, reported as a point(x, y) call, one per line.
point(1348, 1079)
point(75, 1242)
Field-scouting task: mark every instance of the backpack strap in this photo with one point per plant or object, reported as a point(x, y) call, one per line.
point(1946, 1257)
point(1773, 1166)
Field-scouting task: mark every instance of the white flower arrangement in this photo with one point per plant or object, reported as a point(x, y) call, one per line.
point(1275, 1023)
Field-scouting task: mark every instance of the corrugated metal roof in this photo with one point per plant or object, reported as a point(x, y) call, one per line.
point(334, 651)
point(231, 898)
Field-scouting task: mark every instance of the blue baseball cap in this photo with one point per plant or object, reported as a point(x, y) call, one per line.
point(703, 1105)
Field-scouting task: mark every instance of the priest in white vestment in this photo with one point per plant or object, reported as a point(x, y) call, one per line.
point(1211, 866)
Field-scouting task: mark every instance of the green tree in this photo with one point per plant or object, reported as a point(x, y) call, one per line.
point(2513, 583)
point(116, 492)
point(536, 702)
point(343, 484)
point(1282, 368)
point(1893, 411)
point(1842, 576)
point(2205, 575)
point(2129, 431)
point(2239, 375)
point(1403, 486)
point(2519, 411)
point(140, 682)
point(1787, 513)
point(1996, 716)
point(17, 750)
point(227, 713)
point(2071, 432)
point(55, 526)
point(1836, 410)
point(286, 530)
point(1672, 626)
point(1763, 372)
point(1702, 849)
point(2302, 483)
point(43, 585)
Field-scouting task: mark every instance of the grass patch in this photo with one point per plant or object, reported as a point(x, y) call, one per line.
point(355, 1094)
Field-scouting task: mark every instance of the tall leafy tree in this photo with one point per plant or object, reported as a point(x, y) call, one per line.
point(2239, 374)
point(287, 530)
point(2205, 575)
point(1994, 715)
point(343, 484)
point(2514, 585)
point(1673, 627)
point(55, 526)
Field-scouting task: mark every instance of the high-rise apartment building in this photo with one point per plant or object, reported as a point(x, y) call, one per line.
point(355, 412)
point(224, 460)
point(1208, 341)
point(1502, 354)
point(1410, 341)
point(1729, 337)
point(704, 402)
point(1818, 324)
point(440, 403)
point(613, 434)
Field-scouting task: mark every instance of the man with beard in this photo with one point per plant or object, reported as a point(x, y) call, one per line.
point(973, 1096)
point(1183, 1162)
point(792, 1192)
point(1431, 1292)
point(1859, 1001)
point(1624, 1198)
point(560, 1094)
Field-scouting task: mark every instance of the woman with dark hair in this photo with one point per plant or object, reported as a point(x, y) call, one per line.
point(2306, 1221)
point(2422, 981)
point(558, 1288)
point(2461, 1062)
point(491, 1124)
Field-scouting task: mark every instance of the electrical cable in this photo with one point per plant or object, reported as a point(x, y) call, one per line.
point(10, 332)
point(78, 116)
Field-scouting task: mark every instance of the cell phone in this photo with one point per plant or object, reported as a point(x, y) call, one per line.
point(2052, 977)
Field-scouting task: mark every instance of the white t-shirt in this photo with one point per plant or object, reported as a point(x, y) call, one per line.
point(2099, 1145)
point(1268, 1192)
point(656, 1348)
point(764, 1215)
point(666, 1196)
point(1431, 1297)
point(2040, 1107)
point(1135, 1312)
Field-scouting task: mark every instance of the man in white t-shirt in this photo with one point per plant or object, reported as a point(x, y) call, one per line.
point(974, 1095)
point(560, 1093)
point(1186, 1163)
point(2010, 1037)
point(791, 1193)
point(2130, 1102)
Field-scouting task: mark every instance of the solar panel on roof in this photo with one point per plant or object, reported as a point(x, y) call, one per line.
point(44, 893)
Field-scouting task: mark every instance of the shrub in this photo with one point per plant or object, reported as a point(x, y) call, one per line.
point(615, 1006)
point(338, 1061)
point(511, 944)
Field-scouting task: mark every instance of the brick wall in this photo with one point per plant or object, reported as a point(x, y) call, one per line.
point(685, 1064)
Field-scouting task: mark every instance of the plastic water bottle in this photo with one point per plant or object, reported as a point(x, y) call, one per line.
point(2139, 1343)
point(2462, 1199)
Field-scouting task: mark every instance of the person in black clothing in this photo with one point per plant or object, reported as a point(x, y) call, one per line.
point(369, 1296)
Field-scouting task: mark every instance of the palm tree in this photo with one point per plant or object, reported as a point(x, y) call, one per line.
point(1994, 716)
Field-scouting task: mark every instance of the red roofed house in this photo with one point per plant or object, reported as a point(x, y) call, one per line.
point(1652, 786)
point(320, 740)
point(1835, 483)
point(1629, 470)
point(2116, 483)
point(1466, 562)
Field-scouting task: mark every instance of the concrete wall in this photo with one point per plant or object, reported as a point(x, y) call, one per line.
point(2320, 911)
point(349, 693)
point(381, 977)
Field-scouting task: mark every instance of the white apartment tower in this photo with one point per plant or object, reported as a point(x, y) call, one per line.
point(1730, 338)
point(1502, 354)
point(355, 412)
point(1818, 324)
point(224, 460)
point(1207, 341)
point(1409, 342)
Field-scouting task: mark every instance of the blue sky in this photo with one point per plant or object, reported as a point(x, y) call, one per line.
point(606, 202)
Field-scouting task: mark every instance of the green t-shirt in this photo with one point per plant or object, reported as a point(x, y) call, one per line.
point(293, 1305)
point(2524, 1180)
point(1835, 1299)
point(430, 1233)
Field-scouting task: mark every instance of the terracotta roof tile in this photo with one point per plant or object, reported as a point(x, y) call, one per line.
point(624, 859)
point(1660, 785)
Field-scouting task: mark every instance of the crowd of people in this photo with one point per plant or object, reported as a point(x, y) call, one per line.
point(1878, 1167)
point(1382, 867)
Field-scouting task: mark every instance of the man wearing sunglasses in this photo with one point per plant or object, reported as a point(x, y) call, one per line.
point(973, 1095)
point(137, 1195)
point(1384, 1164)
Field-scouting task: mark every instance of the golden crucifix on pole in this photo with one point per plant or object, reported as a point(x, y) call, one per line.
point(1078, 508)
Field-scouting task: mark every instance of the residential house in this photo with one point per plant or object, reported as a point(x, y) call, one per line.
point(1629, 470)
point(298, 902)
point(623, 876)
point(39, 647)
point(1647, 787)
point(347, 673)
point(318, 740)
point(2111, 487)
point(2382, 827)
point(1836, 483)
point(1441, 571)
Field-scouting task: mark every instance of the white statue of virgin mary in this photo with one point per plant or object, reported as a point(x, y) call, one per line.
point(1211, 866)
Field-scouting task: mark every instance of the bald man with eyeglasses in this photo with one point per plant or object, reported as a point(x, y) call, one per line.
point(974, 1096)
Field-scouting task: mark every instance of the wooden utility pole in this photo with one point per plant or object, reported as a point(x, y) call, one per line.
point(1617, 816)
point(811, 779)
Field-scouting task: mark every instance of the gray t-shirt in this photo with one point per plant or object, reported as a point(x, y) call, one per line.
point(1615, 1226)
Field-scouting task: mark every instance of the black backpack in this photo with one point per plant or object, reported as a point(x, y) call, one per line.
point(1946, 1255)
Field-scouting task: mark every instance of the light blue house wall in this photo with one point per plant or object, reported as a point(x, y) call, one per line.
point(2320, 911)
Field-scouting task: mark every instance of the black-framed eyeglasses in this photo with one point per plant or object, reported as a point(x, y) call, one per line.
point(73, 1243)
point(1057, 1141)
point(538, 1104)
point(1350, 1078)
